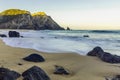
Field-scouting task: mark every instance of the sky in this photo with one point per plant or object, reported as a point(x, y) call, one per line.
point(76, 14)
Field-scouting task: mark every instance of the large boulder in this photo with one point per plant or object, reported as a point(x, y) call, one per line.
point(97, 51)
point(14, 34)
point(34, 58)
point(104, 56)
point(6, 74)
point(107, 57)
point(35, 73)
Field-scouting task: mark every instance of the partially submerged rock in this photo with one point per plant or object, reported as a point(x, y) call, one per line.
point(35, 73)
point(3, 35)
point(6, 74)
point(14, 34)
point(61, 70)
point(85, 35)
point(34, 58)
point(68, 28)
point(104, 56)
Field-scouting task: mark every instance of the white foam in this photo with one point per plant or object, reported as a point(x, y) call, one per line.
point(46, 42)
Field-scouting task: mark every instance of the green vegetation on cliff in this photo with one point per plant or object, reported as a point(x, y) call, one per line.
point(14, 12)
point(22, 19)
point(39, 14)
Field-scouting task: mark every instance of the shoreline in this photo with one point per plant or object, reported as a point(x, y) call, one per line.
point(58, 42)
point(81, 67)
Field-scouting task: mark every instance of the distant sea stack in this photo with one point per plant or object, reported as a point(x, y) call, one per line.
point(22, 19)
point(68, 28)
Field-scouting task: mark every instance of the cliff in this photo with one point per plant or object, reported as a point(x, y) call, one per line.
point(21, 19)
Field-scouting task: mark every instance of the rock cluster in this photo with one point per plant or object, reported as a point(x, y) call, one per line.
point(34, 73)
point(104, 56)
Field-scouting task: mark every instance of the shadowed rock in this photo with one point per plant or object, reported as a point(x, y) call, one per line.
point(97, 51)
point(14, 34)
point(35, 73)
point(60, 70)
point(34, 58)
point(104, 56)
point(6, 74)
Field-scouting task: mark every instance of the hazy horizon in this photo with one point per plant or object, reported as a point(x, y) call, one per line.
point(76, 14)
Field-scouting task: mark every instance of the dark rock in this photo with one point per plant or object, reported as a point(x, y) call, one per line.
point(104, 56)
point(42, 37)
point(35, 73)
point(60, 70)
point(85, 35)
point(97, 51)
point(107, 57)
point(55, 37)
point(3, 35)
point(117, 77)
point(34, 58)
point(21, 36)
point(14, 34)
point(106, 78)
point(68, 28)
point(6, 74)
point(20, 64)
point(116, 59)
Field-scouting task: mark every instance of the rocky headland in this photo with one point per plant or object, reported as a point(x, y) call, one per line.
point(22, 19)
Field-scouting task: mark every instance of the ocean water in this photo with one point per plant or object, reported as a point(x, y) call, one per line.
point(66, 41)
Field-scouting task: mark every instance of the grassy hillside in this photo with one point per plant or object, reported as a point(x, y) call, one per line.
point(39, 14)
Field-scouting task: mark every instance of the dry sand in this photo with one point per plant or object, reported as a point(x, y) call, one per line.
point(81, 67)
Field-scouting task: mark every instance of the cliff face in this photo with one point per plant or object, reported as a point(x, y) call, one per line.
point(16, 19)
point(22, 21)
point(45, 22)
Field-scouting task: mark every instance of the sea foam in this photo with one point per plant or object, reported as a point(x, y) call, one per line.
point(65, 41)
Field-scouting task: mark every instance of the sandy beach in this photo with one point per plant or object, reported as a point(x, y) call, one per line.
point(80, 67)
